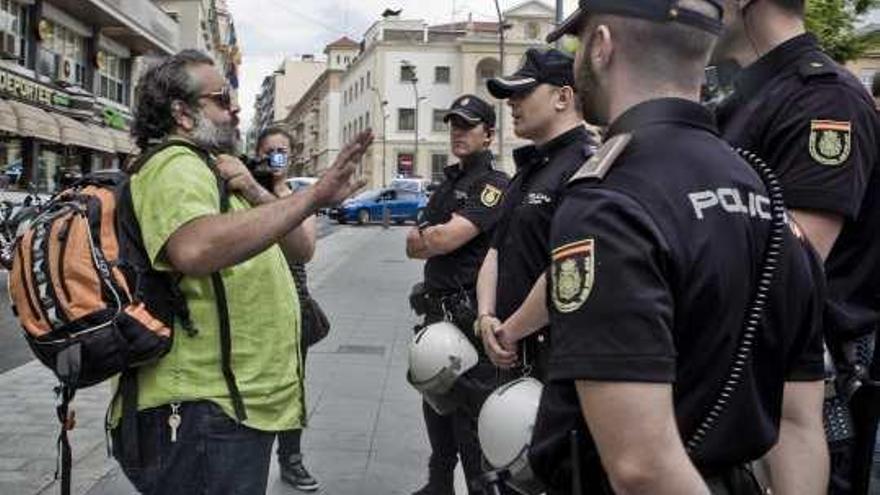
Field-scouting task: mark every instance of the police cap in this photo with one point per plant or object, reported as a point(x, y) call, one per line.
point(541, 66)
point(695, 13)
point(473, 110)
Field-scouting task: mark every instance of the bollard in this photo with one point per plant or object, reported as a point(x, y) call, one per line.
point(386, 216)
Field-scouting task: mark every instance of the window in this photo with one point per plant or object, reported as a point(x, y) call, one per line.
point(367, 120)
point(487, 73)
point(362, 84)
point(407, 73)
point(62, 54)
point(114, 78)
point(368, 81)
point(533, 31)
point(345, 97)
point(406, 119)
point(866, 76)
point(338, 60)
point(441, 75)
point(360, 124)
point(439, 125)
point(13, 20)
point(438, 163)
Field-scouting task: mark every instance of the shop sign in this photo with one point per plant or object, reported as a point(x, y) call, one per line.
point(31, 91)
point(114, 118)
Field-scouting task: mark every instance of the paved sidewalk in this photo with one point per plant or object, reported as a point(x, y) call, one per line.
point(365, 434)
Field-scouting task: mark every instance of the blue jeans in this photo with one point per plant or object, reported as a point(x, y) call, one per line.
point(213, 454)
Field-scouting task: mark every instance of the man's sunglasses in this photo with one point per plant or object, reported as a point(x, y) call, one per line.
point(222, 98)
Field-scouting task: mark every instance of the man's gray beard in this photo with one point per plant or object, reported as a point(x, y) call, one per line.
point(218, 138)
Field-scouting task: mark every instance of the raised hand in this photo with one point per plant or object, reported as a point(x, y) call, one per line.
point(336, 184)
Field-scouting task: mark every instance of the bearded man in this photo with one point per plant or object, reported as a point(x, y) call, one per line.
point(208, 411)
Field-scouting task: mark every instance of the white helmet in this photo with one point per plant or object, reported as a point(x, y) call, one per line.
point(505, 427)
point(438, 355)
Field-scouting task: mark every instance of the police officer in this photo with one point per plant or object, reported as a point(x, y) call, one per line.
point(542, 100)
point(657, 249)
point(453, 237)
point(816, 126)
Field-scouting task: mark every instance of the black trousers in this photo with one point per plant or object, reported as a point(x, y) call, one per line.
point(290, 441)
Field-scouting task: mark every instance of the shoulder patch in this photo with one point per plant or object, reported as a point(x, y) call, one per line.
point(600, 163)
point(490, 196)
point(573, 274)
point(830, 141)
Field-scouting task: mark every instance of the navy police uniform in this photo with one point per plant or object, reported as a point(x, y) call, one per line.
point(472, 189)
point(653, 266)
point(816, 126)
point(522, 238)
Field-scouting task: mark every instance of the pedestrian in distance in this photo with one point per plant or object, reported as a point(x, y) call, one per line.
point(671, 263)
point(453, 236)
point(542, 99)
point(209, 410)
point(271, 169)
point(817, 127)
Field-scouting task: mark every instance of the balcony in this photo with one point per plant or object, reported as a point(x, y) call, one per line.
point(139, 24)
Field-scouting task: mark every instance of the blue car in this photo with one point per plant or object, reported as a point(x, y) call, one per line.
point(368, 206)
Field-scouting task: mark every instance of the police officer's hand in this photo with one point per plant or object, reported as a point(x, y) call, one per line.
point(337, 183)
point(238, 178)
point(499, 356)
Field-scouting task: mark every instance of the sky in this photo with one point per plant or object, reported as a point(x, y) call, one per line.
point(270, 30)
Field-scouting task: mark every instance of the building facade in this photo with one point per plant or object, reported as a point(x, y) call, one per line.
point(314, 121)
point(409, 73)
point(207, 26)
point(66, 84)
point(281, 90)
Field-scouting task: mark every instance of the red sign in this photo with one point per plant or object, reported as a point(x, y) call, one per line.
point(405, 164)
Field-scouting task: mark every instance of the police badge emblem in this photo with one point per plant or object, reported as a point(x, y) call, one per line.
point(490, 196)
point(830, 141)
point(572, 275)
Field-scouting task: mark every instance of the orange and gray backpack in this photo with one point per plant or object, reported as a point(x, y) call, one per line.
point(90, 303)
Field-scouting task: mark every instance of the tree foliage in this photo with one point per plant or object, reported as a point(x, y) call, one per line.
point(834, 23)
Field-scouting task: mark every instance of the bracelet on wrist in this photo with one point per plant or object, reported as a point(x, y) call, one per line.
point(478, 323)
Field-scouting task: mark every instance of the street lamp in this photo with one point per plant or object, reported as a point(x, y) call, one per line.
point(383, 103)
point(502, 26)
point(414, 80)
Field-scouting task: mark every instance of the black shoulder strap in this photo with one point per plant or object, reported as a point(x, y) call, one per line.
point(223, 317)
point(158, 148)
point(817, 65)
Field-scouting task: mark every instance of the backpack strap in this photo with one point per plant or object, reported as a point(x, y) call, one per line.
point(216, 278)
point(223, 317)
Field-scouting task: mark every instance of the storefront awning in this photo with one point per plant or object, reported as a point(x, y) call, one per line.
point(74, 133)
point(34, 122)
point(124, 142)
point(8, 120)
point(101, 139)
